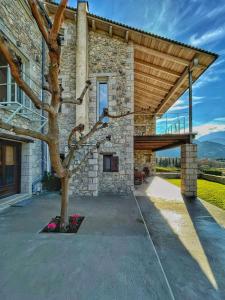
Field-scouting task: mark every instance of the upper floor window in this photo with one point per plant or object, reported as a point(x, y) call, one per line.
point(102, 96)
point(9, 91)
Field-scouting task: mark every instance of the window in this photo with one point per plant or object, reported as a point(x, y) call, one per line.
point(110, 163)
point(9, 91)
point(102, 97)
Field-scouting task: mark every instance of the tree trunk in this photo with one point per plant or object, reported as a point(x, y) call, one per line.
point(64, 203)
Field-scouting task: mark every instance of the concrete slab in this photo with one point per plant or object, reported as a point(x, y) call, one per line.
point(110, 258)
point(189, 238)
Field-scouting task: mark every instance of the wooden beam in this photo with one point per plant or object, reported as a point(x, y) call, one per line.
point(163, 55)
point(140, 88)
point(150, 85)
point(110, 31)
point(148, 98)
point(142, 105)
point(148, 93)
point(93, 25)
point(153, 77)
point(146, 101)
point(127, 36)
point(156, 67)
point(174, 89)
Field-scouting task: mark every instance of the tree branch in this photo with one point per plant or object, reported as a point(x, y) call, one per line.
point(23, 131)
point(39, 20)
point(79, 100)
point(96, 146)
point(16, 73)
point(79, 128)
point(58, 20)
point(107, 114)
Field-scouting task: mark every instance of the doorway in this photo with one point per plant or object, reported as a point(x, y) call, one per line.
point(10, 168)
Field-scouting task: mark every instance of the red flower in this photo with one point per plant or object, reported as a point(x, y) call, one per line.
point(52, 225)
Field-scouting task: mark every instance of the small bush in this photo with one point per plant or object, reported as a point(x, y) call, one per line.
point(51, 182)
point(167, 169)
point(213, 172)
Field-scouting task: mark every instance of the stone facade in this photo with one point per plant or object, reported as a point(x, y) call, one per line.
point(144, 125)
point(112, 59)
point(189, 170)
point(16, 22)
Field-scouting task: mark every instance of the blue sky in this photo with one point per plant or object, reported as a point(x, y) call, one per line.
point(200, 23)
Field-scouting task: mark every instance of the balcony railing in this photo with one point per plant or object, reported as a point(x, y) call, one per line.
point(15, 101)
point(172, 123)
point(169, 123)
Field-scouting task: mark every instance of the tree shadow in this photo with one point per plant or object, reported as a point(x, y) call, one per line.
point(212, 238)
point(189, 261)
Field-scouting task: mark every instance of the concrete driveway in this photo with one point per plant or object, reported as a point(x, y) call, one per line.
point(110, 258)
point(189, 238)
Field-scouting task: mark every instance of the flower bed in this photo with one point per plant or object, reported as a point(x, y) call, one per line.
point(73, 226)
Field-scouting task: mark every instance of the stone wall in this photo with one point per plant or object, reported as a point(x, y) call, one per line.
point(144, 125)
point(144, 158)
point(110, 58)
point(68, 79)
point(17, 23)
point(189, 170)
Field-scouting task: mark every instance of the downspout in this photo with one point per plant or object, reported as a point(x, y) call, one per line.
point(43, 146)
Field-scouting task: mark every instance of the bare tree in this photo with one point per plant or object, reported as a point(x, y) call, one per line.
point(63, 168)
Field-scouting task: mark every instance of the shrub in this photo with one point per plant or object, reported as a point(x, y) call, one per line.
point(213, 172)
point(51, 182)
point(167, 170)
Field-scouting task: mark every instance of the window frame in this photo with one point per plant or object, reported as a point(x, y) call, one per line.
point(101, 80)
point(9, 84)
point(113, 159)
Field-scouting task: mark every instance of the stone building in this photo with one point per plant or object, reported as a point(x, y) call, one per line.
point(130, 70)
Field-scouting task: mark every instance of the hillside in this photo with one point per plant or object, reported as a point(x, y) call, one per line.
point(206, 149)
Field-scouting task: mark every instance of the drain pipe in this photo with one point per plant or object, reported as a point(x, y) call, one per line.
point(43, 146)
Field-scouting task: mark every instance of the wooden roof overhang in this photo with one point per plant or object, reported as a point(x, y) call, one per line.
point(160, 65)
point(160, 142)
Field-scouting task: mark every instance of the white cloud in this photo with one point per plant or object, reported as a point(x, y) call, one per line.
point(215, 12)
point(220, 119)
point(207, 37)
point(206, 129)
point(178, 107)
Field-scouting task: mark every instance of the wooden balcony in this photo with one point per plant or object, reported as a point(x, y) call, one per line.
point(161, 142)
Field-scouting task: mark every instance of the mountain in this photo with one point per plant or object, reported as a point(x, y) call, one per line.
point(206, 149)
point(217, 137)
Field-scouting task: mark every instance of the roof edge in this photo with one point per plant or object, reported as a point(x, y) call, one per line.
point(143, 32)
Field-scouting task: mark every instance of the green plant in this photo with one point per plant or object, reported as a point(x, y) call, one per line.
point(167, 169)
point(213, 172)
point(51, 182)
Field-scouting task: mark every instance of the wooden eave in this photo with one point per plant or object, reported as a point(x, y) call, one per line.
point(160, 142)
point(159, 63)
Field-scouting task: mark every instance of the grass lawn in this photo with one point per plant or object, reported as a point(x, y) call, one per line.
point(209, 191)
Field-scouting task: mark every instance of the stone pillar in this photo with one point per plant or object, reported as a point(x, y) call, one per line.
point(26, 170)
point(93, 174)
point(82, 62)
point(189, 170)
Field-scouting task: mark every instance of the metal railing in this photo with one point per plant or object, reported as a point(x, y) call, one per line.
point(17, 109)
point(172, 123)
point(169, 123)
point(16, 102)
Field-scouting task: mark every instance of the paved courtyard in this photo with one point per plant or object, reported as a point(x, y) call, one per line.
point(112, 256)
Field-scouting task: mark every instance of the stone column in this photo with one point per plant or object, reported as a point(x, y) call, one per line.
point(82, 62)
point(189, 170)
point(93, 174)
point(26, 170)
